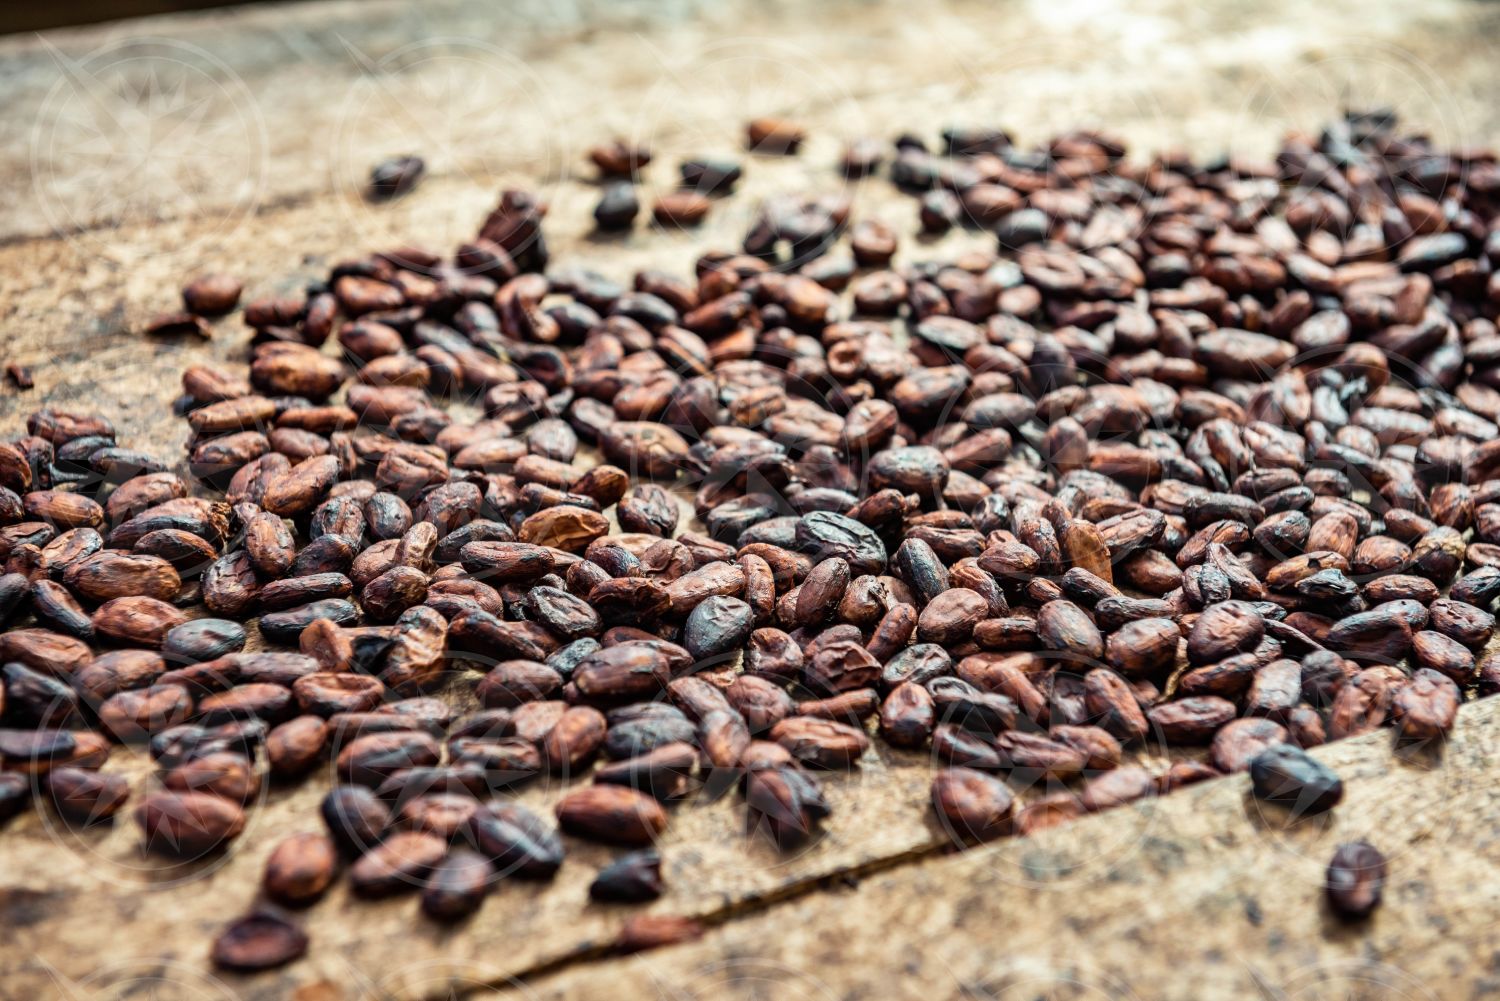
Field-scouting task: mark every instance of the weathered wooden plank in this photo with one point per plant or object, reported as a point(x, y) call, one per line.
point(223, 114)
point(1201, 894)
point(280, 89)
point(89, 902)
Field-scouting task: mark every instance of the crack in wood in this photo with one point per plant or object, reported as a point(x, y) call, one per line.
point(750, 906)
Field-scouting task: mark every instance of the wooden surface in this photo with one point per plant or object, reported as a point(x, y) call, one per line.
point(139, 153)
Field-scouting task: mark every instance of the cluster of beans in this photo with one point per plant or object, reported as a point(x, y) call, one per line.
point(1202, 457)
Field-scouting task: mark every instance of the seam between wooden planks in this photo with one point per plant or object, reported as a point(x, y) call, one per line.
point(752, 906)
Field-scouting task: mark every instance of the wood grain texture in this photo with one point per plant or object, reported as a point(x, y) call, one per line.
point(264, 121)
point(1201, 894)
